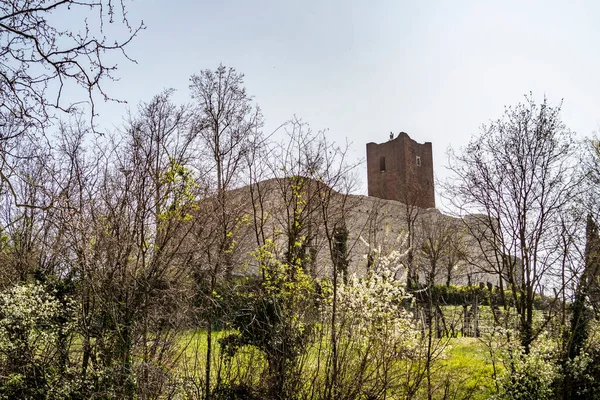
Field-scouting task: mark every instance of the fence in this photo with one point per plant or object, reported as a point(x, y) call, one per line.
point(473, 319)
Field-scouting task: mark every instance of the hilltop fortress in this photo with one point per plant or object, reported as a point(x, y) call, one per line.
point(398, 212)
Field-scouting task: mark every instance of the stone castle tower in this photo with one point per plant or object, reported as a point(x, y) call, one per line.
point(401, 169)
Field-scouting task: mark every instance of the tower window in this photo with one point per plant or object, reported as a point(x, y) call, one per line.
point(382, 164)
point(418, 161)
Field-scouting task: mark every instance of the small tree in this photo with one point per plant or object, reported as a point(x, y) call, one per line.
point(374, 331)
point(276, 319)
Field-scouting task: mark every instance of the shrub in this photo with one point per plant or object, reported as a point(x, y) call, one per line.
point(530, 376)
point(31, 330)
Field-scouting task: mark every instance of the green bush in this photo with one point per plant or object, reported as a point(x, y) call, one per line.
point(34, 326)
point(459, 295)
point(531, 376)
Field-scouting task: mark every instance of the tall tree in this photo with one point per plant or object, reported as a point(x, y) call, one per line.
point(50, 69)
point(519, 176)
point(227, 122)
point(131, 254)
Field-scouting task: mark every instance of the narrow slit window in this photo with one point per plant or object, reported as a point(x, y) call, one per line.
point(418, 161)
point(382, 164)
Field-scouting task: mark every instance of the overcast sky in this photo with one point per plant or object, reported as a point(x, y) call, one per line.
point(434, 69)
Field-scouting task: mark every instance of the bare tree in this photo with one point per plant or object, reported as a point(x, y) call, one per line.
point(456, 253)
point(434, 233)
point(126, 216)
point(48, 70)
point(326, 184)
point(42, 63)
point(226, 122)
point(411, 215)
point(109, 248)
point(519, 176)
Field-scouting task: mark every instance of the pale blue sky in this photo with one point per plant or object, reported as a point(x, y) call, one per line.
point(434, 69)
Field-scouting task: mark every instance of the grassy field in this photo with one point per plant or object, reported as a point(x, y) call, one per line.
point(464, 371)
point(467, 364)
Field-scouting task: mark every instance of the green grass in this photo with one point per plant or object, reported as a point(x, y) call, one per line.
point(193, 347)
point(192, 362)
point(465, 370)
point(468, 368)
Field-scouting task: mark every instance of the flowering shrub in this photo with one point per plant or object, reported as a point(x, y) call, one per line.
point(374, 331)
point(374, 304)
point(374, 301)
point(530, 376)
point(27, 313)
point(29, 334)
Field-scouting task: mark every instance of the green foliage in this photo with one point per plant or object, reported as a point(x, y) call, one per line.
point(580, 376)
point(33, 327)
point(581, 371)
point(179, 199)
point(275, 319)
point(234, 392)
point(466, 370)
point(530, 376)
point(4, 241)
point(459, 295)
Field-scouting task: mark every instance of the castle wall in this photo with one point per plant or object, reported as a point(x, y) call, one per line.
point(372, 224)
point(402, 170)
